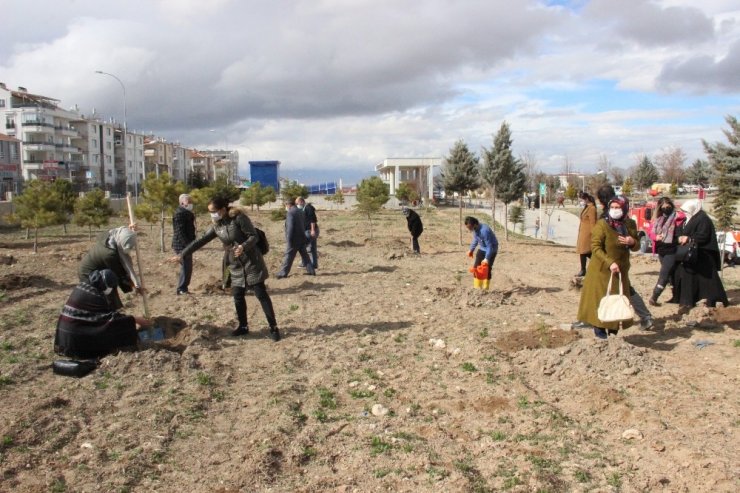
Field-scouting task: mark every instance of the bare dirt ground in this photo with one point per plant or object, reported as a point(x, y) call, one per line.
point(393, 375)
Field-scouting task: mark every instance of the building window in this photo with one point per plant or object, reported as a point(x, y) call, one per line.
point(92, 128)
point(2, 103)
point(107, 145)
point(108, 130)
point(95, 143)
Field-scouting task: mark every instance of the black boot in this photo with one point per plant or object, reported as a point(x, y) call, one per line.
point(653, 301)
point(274, 334)
point(242, 330)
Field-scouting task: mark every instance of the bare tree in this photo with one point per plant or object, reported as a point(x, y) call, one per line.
point(530, 169)
point(604, 165)
point(671, 164)
point(618, 174)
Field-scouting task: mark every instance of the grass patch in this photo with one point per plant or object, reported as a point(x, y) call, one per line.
point(204, 379)
point(497, 436)
point(378, 446)
point(361, 394)
point(293, 308)
point(389, 392)
point(327, 398)
point(437, 474)
point(736, 343)
point(614, 479)
point(582, 476)
point(467, 366)
point(5, 380)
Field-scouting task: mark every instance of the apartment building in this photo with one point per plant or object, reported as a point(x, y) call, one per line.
point(10, 166)
point(44, 131)
point(225, 163)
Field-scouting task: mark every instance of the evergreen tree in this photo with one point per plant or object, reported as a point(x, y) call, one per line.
point(337, 198)
point(724, 202)
point(160, 195)
point(726, 162)
point(627, 187)
point(197, 179)
point(404, 192)
point(645, 174)
point(92, 210)
point(67, 199)
point(727, 155)
point(460, 173)
point(502, 172)
point(292, 190)
point(699, 173)
point(372, 194)
point(571, 193)
point(222, 188)
point(257, 195)
point(37, 207)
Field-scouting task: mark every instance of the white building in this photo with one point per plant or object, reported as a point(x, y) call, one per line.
point(418, 172)
point(44, 130)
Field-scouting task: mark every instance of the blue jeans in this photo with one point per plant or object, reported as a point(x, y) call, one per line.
point(311, 247)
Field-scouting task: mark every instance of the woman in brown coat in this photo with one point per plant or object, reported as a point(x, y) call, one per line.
point(612, 238)
point(588, 220)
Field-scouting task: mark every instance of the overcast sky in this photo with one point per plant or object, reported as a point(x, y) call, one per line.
point(342, 84)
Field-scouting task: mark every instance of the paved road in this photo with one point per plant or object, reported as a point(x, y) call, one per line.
point(560, 227)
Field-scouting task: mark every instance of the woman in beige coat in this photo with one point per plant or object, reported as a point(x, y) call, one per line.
point(612, 238)
point(588, 220)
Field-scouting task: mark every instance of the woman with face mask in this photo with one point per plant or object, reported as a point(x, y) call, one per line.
point(612, 239)
point(90, 325)
point(112, 250)
point(233, 227)
point(667, 223)
point(588, 220)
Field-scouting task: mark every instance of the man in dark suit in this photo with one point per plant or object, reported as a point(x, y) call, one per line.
point(295, 240)
point(183, 233)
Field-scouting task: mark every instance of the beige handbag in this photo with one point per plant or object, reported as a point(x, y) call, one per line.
point(615, 307)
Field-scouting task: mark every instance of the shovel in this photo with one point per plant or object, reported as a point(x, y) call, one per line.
point(153, 333)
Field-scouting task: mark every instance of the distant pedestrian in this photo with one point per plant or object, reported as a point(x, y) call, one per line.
point(413, 221)
point(485, 241)
point(311, 225)
point(183, 233)
point(588, 220)
point(295, 241)
point(537, 227)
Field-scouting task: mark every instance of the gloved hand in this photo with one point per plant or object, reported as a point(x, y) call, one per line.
point(470, 254)
point(484, 261)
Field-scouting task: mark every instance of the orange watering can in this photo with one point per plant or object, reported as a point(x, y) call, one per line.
point(480, 276)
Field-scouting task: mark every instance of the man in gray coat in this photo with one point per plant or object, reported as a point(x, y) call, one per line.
point(295, 241)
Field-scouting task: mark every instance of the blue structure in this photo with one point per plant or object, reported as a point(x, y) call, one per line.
point(266, 173)
point(328, 188)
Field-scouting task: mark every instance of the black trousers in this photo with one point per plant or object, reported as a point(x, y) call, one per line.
point(240, 303)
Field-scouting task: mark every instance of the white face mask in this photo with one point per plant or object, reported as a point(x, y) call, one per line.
point(107, 291)
point(188, 207)
point(582, 203)
point(616, 214)
point(215, 216)
point(300, 206)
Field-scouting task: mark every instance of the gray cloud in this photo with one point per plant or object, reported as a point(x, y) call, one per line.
point(703, 73)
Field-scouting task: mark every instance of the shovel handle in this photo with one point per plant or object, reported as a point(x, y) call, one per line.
point(138, 257)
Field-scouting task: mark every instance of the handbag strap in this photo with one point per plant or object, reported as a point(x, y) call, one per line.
point(609, 286)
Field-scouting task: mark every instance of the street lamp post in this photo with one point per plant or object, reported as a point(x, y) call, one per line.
point(125, 132)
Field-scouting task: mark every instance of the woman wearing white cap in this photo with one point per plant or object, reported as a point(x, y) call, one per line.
point(698, 279)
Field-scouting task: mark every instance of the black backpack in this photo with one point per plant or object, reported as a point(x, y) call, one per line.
point(262, 242)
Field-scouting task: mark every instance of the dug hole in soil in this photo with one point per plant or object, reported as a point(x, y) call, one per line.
point(393, 374)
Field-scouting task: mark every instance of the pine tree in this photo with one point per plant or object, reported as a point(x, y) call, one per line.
point(372, 194)
point(645, 174)
point(503, 173)
point(67, 199)
point(699, 173)
point(726, 162)
point(92, 210)
point(257, 195)
point(460, 173)
point(37, 207)
point(160, 195)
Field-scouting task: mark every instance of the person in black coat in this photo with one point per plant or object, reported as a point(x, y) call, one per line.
point(699, 279)
point(183, 233)
point(415, 227)
point(90, 325)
